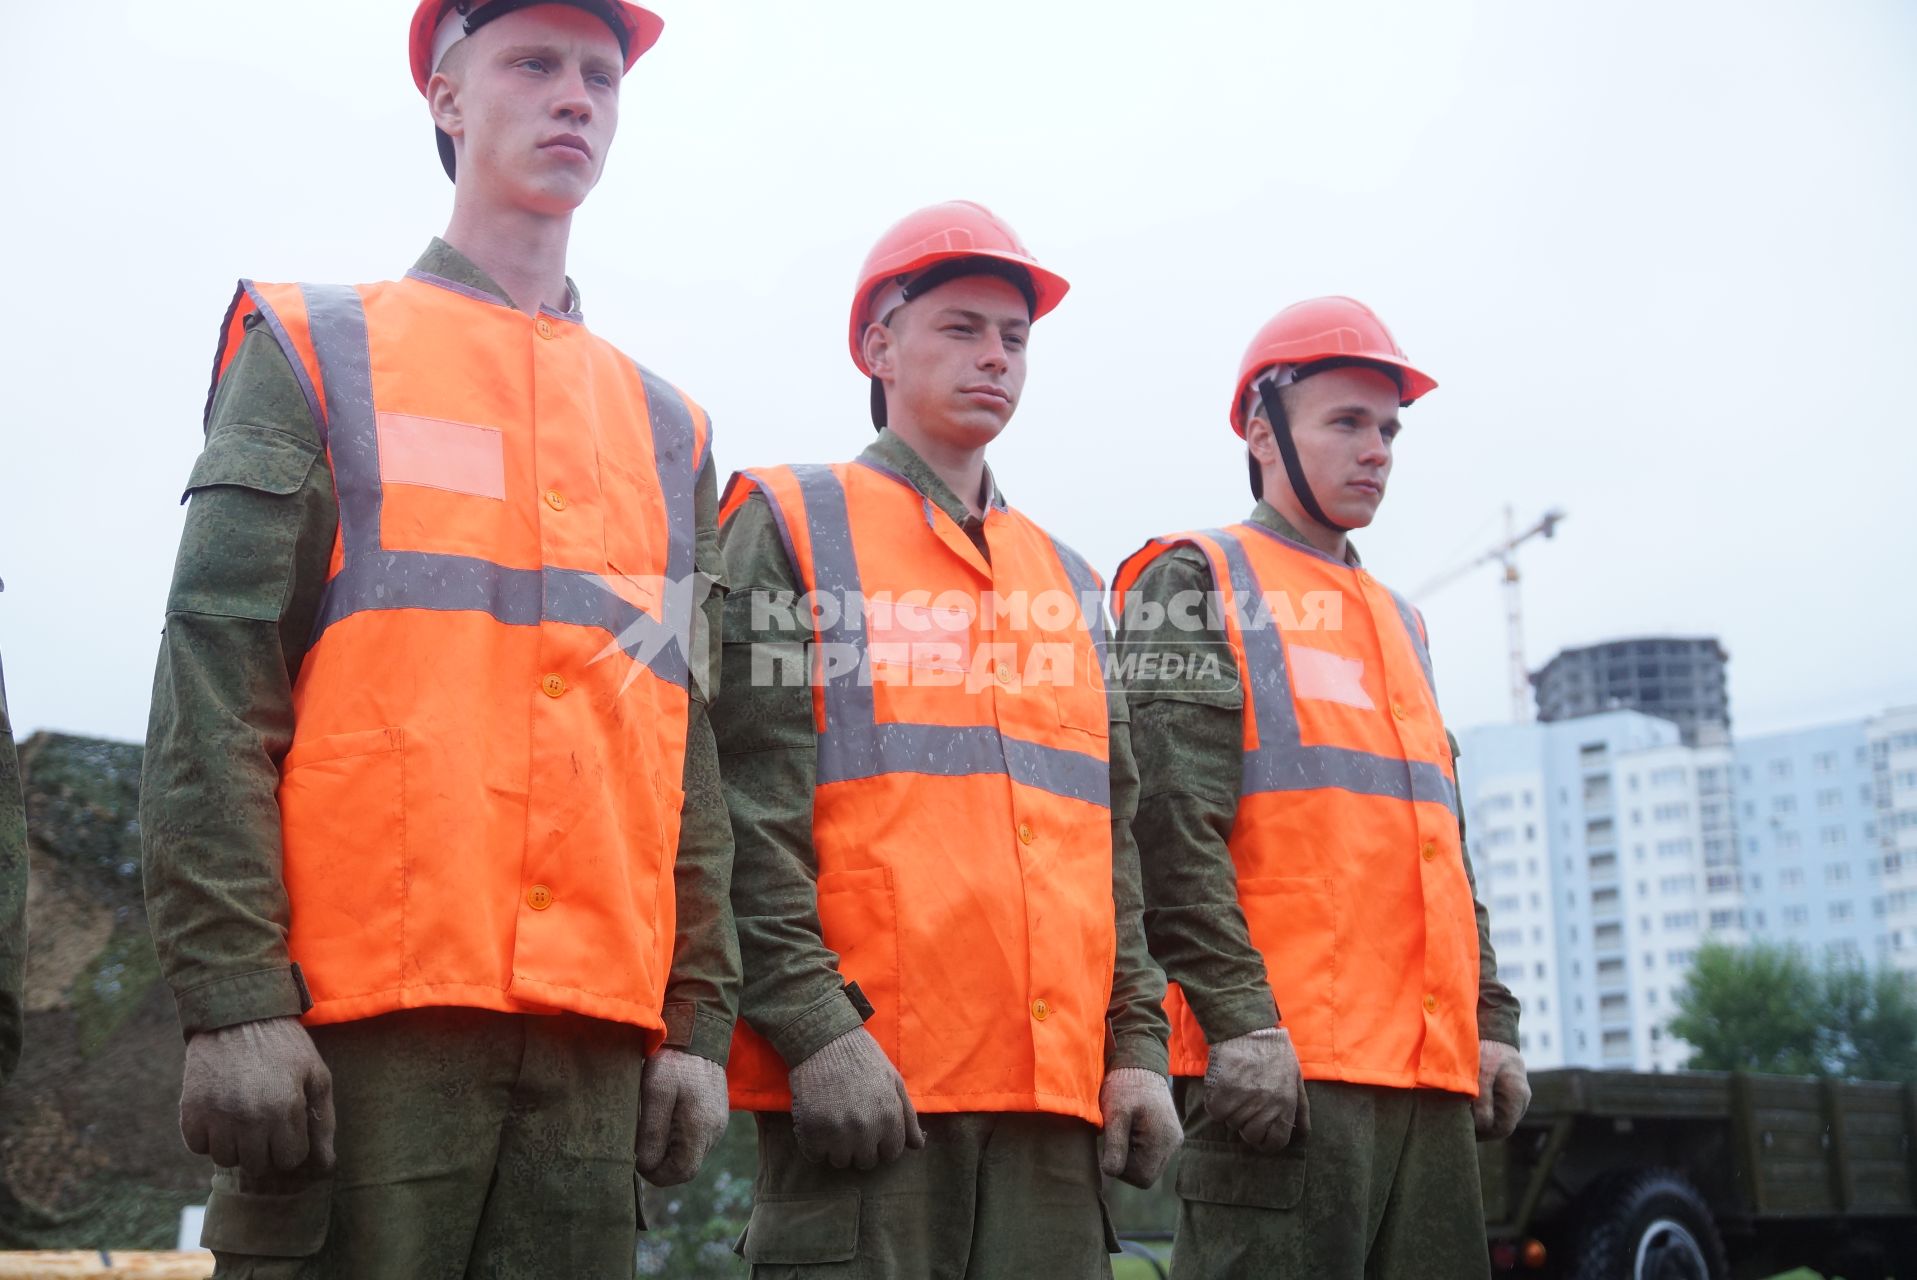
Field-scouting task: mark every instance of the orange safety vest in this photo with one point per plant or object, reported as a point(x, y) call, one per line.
point(480, 806)
point(962, 815)
point(1349, 863)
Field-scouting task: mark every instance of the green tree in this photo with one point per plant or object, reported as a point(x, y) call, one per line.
point(1751, 1008)
point(1869, 1024)
point(1766, 1008)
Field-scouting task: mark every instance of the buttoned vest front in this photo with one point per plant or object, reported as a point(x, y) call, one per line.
point(962, 810)
point(481, 803)
point(1349, 864)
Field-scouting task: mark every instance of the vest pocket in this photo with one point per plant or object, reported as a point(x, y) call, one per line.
point(634, 522)
point(859, 920)
point(1294, 925)
point(1083, 707)
point(342, 807)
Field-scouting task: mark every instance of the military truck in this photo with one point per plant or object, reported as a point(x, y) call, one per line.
point(1619, 1175)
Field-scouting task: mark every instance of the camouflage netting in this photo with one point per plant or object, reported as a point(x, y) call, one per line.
point(90, 1153)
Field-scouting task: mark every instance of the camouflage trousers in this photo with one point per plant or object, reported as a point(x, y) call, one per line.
point(991, 1196)
point(470, 1144)
point(1385, 1187)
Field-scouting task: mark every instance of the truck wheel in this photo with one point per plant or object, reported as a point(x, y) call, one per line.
point(1650, 1225)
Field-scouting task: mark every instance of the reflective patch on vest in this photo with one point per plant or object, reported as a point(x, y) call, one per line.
point(1327, 677)
point(455, 456)
point(900, 633)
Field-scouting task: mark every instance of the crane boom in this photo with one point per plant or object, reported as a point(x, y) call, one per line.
point(1505, 554)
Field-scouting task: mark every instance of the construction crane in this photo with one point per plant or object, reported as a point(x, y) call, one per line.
point(1505, 553)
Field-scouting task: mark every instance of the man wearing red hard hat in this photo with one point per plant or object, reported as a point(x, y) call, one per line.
point(1338, 1027)
point(947, 997)
point(434, 836)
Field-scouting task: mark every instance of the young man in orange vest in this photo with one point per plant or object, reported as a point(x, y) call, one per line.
point(433, 830)
point(947, 993)
point(1337, 1021)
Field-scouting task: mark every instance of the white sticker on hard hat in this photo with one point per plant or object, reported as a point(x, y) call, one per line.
point(885, 302)
point(451, 30)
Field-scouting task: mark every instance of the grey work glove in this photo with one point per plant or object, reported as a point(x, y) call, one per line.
point(682, 1115)
point(1253, 1087)
point(1504, 1091)
point(1142, 1129)
point(257, 1097)
point(850, 1107)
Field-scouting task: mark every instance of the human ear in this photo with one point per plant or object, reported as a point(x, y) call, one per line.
point(442, 96)
point(1258, 438)
point(876, 346)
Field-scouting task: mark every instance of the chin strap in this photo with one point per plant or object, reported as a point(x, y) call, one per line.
point(1288, 452)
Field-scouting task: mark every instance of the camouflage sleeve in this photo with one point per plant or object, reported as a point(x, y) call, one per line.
point(768, 754)
point(246, 589)
point(1136, 1015)
point(1187, 732)
point(13, 895)
point(702, 993)
point(1497, 1007)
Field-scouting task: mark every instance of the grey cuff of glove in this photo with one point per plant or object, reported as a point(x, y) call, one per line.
point(825, 1021)
point(842, 1053)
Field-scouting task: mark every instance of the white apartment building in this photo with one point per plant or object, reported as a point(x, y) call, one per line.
point(1892, 739)
point(1607, 850)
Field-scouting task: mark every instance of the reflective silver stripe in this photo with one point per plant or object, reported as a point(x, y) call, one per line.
point(372, 577)
point(1299, 768)
point(293, 357)
point(1060, 771)
point(1282, 761)
point(956, 751)
point(1090, 592)
point(1409, 617)
point(855, 745)
point(336, 319)
point(676, 459)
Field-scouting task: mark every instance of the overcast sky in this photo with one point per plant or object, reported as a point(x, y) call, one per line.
point(1658, 256)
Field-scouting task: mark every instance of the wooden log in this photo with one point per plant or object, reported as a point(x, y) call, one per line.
point(46, 1264)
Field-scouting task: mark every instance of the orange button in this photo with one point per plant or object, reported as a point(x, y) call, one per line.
point(555, 500)
point(553, 685)
point(1005, 673)
point(1040, 1009)
point(539, 897)
point(1431, 1004)
point(1025, 835)
point(1397, 708)
point(1430, 850)
point(543, 327)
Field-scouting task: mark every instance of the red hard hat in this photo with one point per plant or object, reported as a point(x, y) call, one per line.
point(1332, 328)
point(941, 233)
point(637, 28)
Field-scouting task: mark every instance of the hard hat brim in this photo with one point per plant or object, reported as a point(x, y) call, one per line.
point(1412, 384)
point(643, 28)
point(1048, 290)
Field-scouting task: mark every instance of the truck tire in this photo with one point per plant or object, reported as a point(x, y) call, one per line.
point(1646, 1225)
